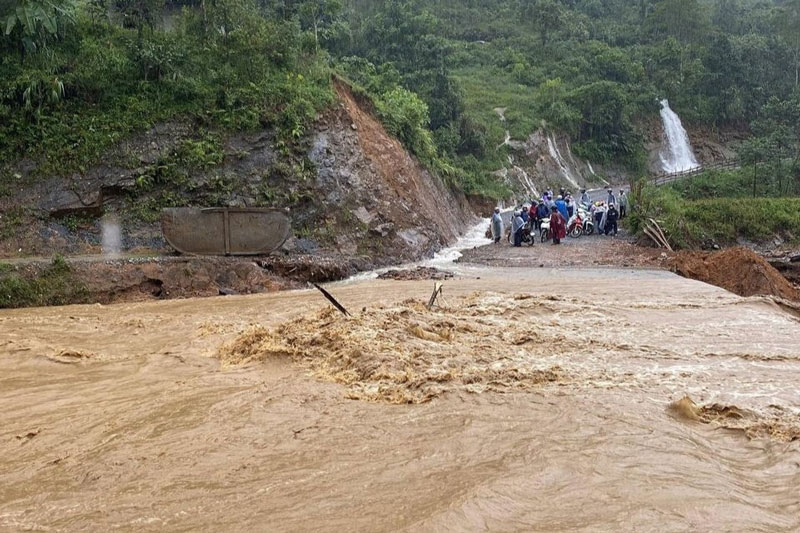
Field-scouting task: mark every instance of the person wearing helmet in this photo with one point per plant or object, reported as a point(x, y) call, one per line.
point(611, 220)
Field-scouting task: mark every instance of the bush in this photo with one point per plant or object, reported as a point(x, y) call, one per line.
point(55, 285)
point(405, 116)
point(701, 223)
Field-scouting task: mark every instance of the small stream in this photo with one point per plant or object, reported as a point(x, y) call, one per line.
point(445, 259)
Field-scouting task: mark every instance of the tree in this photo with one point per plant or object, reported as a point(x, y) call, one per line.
point(319, 14)
point(140, 14)
point(787, 22)
point(683, 19)
point(545, 15)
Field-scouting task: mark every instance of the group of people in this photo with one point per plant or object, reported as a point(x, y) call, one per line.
point(559, 212)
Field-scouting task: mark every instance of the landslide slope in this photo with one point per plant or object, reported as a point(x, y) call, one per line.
point(351, 190)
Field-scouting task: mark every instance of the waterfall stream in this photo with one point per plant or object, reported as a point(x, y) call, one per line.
point(677, 155)
point(556, 154)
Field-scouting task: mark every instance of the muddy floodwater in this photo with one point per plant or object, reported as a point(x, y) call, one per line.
point(529, 400)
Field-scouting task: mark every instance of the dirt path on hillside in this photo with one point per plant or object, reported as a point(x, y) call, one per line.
point(552, 400)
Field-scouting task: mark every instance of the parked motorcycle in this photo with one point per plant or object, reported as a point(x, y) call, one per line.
point(575, 226)
point(544, 232)
point(588, 223)
point(528, 236)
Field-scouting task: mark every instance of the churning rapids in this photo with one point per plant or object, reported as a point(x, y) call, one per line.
point(531, 400)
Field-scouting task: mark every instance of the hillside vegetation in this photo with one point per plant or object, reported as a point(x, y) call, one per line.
point(77, 77)
point(721, 209)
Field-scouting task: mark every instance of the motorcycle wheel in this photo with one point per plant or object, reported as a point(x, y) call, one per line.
point(545, 235)
point(576, 232)
point(588, 230)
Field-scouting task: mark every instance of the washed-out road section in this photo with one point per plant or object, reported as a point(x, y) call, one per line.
point(122, 418)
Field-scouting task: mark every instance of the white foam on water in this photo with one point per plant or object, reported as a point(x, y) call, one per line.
point(445, 259)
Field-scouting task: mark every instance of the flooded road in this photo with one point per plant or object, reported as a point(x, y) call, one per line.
point(548, 400)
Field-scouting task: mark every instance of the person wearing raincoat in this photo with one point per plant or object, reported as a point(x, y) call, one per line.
point(497, 225)
point(516, 228)
point(558, 226)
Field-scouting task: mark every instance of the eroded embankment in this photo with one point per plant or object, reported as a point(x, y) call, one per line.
point(739, 270)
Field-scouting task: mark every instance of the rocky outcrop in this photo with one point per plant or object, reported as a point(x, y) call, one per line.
point(392, 199)
point(545, 161)
point(352, 190)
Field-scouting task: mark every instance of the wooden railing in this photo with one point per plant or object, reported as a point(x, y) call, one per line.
point(725, 164)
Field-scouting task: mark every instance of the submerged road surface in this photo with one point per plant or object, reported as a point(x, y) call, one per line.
point(552, 406)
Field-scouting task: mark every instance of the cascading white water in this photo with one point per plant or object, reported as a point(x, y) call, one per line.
point(556, 154)
point(111, 236)
point(677, 155)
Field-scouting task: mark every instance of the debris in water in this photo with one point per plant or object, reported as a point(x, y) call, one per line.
point(332, 300)
point(419, 273)
point(70, 356)
point(780, 427)
point(407, 353)
point(29, 435)
point(437, 292)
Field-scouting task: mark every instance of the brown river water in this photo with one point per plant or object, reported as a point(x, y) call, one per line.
point(530, 400)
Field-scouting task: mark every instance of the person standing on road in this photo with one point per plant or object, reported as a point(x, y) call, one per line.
point(561, 206)
point(623, 204)
point(585, 200)
point(599, 213)
point(612, 215)
point(611, 198)
point(533, 214)
point(516, 228)
point(497, 225)
point(558, 227)
point(570, 206)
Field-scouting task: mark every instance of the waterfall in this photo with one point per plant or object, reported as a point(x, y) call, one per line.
point(555, 154)
point(677, 155)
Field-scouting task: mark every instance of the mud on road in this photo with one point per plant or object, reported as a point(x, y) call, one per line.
point(131, 417)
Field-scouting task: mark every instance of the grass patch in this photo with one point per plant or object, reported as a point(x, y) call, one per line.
point(55, 285)
point(732, 184)
point(705, 222)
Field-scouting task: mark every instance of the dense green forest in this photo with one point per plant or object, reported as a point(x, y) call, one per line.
point(77, 76)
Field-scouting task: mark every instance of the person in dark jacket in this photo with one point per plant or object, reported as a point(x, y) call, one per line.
point(543, 211)
point(612, 215)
